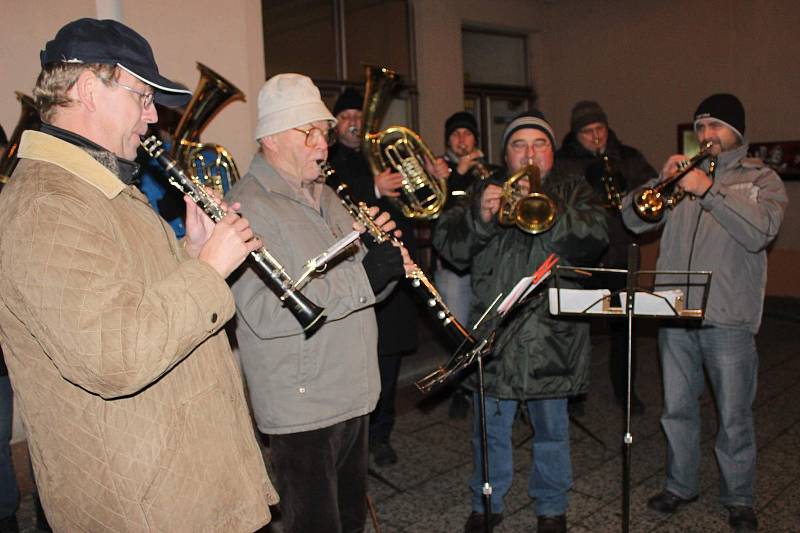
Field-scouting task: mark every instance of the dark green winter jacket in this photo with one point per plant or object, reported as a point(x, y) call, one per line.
point(536, 355)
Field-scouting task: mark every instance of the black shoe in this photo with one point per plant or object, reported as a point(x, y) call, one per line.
point(742, 518)
point(666, 502)
point(459, 406)
point(551, 524)
point(9, 524)
point(383, 453)
point(475, 522)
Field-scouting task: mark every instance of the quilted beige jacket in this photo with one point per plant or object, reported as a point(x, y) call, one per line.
point(132, 400)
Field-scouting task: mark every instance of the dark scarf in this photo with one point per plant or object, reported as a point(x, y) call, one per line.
point(126, 171)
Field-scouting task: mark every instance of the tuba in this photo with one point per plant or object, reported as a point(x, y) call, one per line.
point(209, 163)
point(649, 204)
point(422, 196)
point(28, 120)
point(534, 212)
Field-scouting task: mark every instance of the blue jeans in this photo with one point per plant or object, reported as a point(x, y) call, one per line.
point(551, 472)
point(456, 290)
point(731, 361)
point(9, 494)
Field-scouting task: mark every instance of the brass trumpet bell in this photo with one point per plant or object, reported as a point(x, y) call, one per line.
point(534, 212)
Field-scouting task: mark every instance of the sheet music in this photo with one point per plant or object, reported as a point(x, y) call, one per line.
point(336, 248)
point(520, 291)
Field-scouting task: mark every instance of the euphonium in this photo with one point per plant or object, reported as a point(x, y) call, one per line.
point(422, 195)
point(210, 163)
point(28, 120)
point(534, 212)
point(650, 203)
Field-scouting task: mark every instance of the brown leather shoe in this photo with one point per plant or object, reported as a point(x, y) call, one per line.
point(475, 522)
point(667, 502)
point(551, 524)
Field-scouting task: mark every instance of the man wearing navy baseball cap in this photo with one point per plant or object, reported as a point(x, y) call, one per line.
point(731, 216)
point(111, 329)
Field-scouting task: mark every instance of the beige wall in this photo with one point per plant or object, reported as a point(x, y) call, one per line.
point(229, 41)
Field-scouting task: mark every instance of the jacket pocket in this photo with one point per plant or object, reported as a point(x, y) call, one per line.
point(200, 481)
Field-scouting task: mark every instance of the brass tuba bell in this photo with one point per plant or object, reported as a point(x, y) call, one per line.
point(28, 120)
point(209, 163)
point(422, 196)
point(534, 212)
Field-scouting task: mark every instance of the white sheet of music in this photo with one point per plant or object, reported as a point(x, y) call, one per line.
point(520, 291)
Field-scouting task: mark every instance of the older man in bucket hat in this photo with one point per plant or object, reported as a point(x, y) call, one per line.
point(111, 328)
point(311, 395)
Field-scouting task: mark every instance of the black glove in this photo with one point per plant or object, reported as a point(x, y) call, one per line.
point(383, 263)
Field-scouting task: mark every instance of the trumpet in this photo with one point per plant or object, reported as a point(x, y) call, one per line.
point(433, 300)
point(650, 203)
point(307, 313)
point(534, 212)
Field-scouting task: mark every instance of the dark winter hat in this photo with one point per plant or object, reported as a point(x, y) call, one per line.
point(351, 98)
point(108, 42)
point(585, 112)
point(529, 119)
point(725, 108)
point(462, 119)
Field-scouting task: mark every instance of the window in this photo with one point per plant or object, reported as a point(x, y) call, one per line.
point(496, 83)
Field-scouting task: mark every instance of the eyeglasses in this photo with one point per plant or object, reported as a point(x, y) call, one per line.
point(539, 145)
point(145, 98)
point(315, 134)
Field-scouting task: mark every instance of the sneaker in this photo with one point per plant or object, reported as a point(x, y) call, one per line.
point(475, 522)
point(383, 453)
point(742, 518)
point(551, 524)
point(668, 503)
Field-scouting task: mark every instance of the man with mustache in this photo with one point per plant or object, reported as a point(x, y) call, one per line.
point(725, 225)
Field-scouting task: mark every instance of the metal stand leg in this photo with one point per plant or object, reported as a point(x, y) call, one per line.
point(633, 267)
point(487, 486)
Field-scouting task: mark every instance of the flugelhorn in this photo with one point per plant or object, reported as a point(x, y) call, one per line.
point(419, 280)
point(28, 120)
point(304, 310)
point(534, 212)
point(651, 202)
point(422, 195)
point(209, 163)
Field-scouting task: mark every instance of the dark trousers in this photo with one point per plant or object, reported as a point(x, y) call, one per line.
point(321, 477)
point(381, 421)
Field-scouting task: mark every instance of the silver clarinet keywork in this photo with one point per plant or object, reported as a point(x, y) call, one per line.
point(305, 311)
point(419, 280)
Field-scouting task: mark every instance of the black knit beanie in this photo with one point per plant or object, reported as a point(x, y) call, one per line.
point(462, 119)
point(586, 112)
point(350, 98)
point(529, 119)
point(725, 108)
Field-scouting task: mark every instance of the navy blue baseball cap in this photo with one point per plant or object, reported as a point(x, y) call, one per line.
point(109, 42)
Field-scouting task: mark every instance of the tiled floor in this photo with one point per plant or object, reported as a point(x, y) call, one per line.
point(427, 490)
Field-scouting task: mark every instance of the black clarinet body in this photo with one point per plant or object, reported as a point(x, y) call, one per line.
point(418, 279)
point(307, 313)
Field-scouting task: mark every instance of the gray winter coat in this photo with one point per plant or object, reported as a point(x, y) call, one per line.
point(726, 232)
point(298, 383)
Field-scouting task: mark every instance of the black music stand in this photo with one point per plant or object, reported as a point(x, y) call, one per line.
point(651, 304)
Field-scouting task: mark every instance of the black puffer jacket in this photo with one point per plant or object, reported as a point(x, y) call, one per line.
point(536, 355)
point(630, 170)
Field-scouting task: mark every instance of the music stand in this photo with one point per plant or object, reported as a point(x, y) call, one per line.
point(638, 302)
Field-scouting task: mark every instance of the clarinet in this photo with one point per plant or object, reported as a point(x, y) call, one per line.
point(304, 310)
point(433, 300)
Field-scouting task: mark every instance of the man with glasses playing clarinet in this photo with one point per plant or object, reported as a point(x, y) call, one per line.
point(724, 224)
point(111, 329)
point(538, 360)
point(312, 394)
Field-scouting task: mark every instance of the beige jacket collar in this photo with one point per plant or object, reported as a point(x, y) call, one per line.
point(42, 147)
